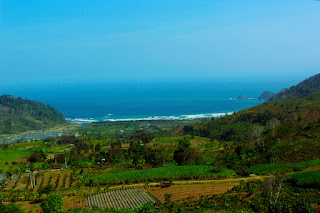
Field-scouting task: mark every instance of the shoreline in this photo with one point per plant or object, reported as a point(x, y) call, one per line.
point(150, 118)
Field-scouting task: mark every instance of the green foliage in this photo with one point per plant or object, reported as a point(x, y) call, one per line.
point(162, 173)
point(9, 208)
point(37, 156)
point(47, 189)
point(184, 155)
point(304, 88)
point(19, 115)
point(52, 203)
point(307, 179)
point(142, 136)
point(262, 169)
point(12, 155)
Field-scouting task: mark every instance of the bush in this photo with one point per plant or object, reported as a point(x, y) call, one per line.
point(262, 169)
point(9, 208)
point(52, 203)
point(308, 179)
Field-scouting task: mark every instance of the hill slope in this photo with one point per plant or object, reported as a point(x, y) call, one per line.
point(265, 96)
point(304, 88)
point(18, 115)
point(282, 131)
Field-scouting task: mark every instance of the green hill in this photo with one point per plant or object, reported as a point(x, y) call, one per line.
point(19, 115)
point(304, 88)
point(282, 131)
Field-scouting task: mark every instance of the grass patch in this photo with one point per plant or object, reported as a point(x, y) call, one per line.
point(161, 174)
point(262, 169)
point(308, 179)
point(4, 167)
point(9, 156)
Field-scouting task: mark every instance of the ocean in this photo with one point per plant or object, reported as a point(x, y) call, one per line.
point(140, 101)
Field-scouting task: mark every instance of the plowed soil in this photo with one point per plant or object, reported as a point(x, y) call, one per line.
point(185, 191)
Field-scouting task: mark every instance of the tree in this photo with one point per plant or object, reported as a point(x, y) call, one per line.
point(52, 203)
point(272, 124)
point(184, 144)
point(37, 156)
point(185, 155)
point(97, 148)
point(271, 188)
point(137, 152)
point(256, 133)
point(142, 136)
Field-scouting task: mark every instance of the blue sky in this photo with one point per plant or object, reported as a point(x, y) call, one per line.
point(64, 41)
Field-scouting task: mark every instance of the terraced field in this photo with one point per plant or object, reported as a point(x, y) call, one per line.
point(120, 199)
point(185, 191)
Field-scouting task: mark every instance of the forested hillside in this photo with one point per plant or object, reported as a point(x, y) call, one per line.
point(18, 115)
point(278, 132)
point(304, 88)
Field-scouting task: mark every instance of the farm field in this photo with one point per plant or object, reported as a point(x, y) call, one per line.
point(59, 179)
point(120, 199)
point(180, 192)
point(158, 174)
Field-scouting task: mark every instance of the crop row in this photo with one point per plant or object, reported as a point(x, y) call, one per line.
point(119, 199)
point(159, 174)
point(262, 169)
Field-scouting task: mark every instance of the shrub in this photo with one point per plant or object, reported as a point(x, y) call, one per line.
point(308, 179)
point(52, 203)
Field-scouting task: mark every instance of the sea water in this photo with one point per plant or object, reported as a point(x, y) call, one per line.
point(91, 102)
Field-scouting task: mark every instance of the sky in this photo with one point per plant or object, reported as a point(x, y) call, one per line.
point(64, 41)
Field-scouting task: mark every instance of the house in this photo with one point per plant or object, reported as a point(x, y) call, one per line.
point(56, 167)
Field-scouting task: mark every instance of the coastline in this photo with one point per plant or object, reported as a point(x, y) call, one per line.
point(150, 118)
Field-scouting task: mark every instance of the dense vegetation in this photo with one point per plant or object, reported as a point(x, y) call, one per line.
point(161, 174)
point(305, 88)
point(307, 179)
point(19, 115)
point(282, 132)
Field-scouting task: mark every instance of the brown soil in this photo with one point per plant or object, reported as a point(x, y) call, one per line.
point(178, 131)
point(74, 204)
point(185, 191)
point(38, 182)
point(62, 175)
point(24, 179)
point(46, 178)
point(68, 181)
point(54, 179)
point(11, 184)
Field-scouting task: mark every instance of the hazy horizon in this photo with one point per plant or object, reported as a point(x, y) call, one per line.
point(87, 42)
